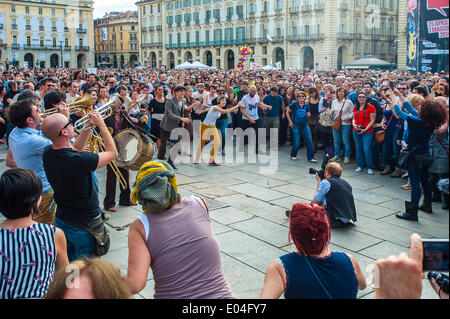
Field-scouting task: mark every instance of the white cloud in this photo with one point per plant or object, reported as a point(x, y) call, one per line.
point(103, 6)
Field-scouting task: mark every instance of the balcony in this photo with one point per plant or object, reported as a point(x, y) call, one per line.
point(277, 39)
point(41, 28)
point(1, 26)
point(158, 27)
point(306, 8)
point(28, 27)
point(15, 46)
point(345, 36)
point(343, 6)
point(144, 29)
point(67, 48)
point(66, 29)
point(294, 10)
point(263, 39)
point(306, 37)
point(81, 30)
point(54, 29)
point(81, 48)
point(251, 40)
point(151, 28)
point(14, 26)
point(278, 12)
point(319, 6)
point(264, 14)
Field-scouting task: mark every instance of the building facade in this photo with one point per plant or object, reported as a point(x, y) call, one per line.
point(47, 33)
point(312, 34)
point(116, 40)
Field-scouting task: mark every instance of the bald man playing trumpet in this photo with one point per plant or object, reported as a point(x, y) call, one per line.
point(69, 172)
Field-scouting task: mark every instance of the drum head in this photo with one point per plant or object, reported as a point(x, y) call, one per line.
point(128, 146)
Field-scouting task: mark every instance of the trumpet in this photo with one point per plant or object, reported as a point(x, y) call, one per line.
point(80, 104)
point(105, 111)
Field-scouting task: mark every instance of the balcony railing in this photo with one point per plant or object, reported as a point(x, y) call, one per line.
point(251, 40)
point(28, 27)
point(293, 10)
point(262, 39)
point(277, 39)
point(1, 26)
point(319, 6)
point(14, 26)
point(66, 29)
point(151, 28)
point(158, 27)
point(306, 37)
point(15, 46)
point(343, 6)
point(81, 48)
point(264, 14)
point(348, 36)
point(306, 8)
point(54, 29)
point(41, 28)
point(81, 30)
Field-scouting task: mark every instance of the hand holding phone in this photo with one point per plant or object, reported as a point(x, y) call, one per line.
point(435, 255)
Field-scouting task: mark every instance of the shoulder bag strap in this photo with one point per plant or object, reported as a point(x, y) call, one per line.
point(390, 119)
point(442, 144)
point(317, 278)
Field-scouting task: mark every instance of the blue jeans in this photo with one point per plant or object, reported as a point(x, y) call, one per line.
point(342, 136)
point(79, 241)
point(297, 131)
point(376, 149)
point(363, 144)
point(390, 147)
point(221, 126)
point(416, 178)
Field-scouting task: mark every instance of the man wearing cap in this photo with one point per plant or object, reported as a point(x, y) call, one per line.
point(173, 115)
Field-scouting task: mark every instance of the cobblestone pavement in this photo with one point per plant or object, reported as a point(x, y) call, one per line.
point(247, 211)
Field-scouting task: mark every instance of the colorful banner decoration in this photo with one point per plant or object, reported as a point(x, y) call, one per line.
point(428, 36)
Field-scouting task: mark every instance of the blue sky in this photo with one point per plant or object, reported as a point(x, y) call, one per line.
point(103, 6)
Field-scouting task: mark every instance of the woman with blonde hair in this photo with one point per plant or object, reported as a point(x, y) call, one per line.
point(89, 279)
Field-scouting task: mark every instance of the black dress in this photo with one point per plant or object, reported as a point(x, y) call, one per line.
point(156, 107)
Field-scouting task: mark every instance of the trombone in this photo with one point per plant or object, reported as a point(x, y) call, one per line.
point(96, 144)
point(80, 104)
point(105, 111)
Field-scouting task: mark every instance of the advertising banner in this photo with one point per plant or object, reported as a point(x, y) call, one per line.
point(427, 36)
point(412, 59)
point(434, 17)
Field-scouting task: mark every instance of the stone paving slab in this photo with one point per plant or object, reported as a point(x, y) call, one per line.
point(264, 230)
point(257, 191)
point(248, 250)
point(288, 202)
point(215, 192)
point(372, 211)
point(351, 239)
point(229, 215)
point(257, 179)
point(422, 226)
point(256, 207)
point(219, 179)
point(219, 228)
point(383, 250)
point(297, 190)
point(369, 197)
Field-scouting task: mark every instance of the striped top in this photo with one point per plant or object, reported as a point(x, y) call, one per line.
point(27, 261)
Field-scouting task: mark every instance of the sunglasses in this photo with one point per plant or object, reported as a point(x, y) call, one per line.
point(65, 126)
point(332, 92)
point(362, 97)
point(402, 88)
point(301, 95)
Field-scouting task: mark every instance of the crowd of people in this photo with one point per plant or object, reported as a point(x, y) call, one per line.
point(392, 122)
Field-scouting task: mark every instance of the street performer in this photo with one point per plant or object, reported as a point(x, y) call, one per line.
point(118, 121)
point(69, 172)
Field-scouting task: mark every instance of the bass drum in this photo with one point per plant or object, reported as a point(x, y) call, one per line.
point(134, 149)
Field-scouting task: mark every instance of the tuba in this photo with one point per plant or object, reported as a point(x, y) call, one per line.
point(81, 104)
point(105, 111)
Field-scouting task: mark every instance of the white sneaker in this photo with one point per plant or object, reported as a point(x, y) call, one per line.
point(359, 169)
point(370, 172)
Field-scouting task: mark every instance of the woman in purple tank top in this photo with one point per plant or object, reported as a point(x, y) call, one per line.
point(174, 238)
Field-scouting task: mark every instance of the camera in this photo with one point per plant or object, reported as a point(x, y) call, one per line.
point(441, 280)
point(313, 171)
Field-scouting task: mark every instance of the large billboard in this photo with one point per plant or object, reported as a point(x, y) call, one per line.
point(428, 35)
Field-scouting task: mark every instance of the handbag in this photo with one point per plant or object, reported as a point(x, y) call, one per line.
point(100, 235)
point(381, 134)
point(326, 118)
point(337, 122)
point(422, 161)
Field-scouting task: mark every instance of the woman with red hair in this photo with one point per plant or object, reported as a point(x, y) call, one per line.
point(313, 272)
